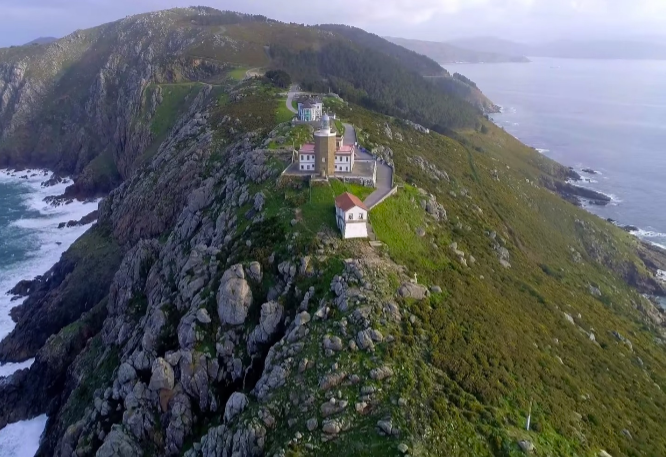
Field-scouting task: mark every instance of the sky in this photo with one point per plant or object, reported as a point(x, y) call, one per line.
point(530, 21)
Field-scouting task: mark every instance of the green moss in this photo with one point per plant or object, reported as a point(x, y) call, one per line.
point(319, 211)
point(340, 187)
point(283, 114)
point(98, 365)
point(238, 74)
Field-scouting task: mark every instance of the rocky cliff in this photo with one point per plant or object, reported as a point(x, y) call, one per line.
point(77, 105)
point(214, 311)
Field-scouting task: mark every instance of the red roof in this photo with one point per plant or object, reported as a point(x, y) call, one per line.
point(347, 201)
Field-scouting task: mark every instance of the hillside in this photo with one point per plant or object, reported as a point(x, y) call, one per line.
point(77, 105)
point(42, 40)
point(214, 310)
point(448, 53)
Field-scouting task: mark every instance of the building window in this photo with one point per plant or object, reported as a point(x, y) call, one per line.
point(360, 216)
point(351, 217)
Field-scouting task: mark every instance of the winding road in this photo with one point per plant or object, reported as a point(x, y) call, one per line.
point(384, 172)
point(290, 99)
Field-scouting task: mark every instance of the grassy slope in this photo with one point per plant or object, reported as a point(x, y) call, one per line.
point(492, 341)
point(498, 335)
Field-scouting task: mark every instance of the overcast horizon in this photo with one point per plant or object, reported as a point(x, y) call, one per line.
point(527, 21)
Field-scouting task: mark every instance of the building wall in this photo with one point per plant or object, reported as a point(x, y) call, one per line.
point(355, 230)
point(343, 164)
point(325, 154)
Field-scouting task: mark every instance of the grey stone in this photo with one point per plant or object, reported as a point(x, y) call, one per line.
point(436, 290)
point(235, 405)
point(162, 375)
point(376, 336)
point(234, 296)
point(119, 444)
point(126, 373)
point(381, 373)
point(203, 316)
point(594, 291)
point(312, 424)
point(331, 427)
point(255, 271)
point(302, 319)
point(333, 343)
point(526, 446)
point(364, 339)
point(411, 290)
point(332, 380)
point(387, 428)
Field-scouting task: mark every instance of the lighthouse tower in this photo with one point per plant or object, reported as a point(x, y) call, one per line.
point(325, 147)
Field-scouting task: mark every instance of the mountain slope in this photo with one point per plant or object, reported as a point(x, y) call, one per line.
point(42, 40)
point(447, 53)
point(77, 105)
point(214, 310)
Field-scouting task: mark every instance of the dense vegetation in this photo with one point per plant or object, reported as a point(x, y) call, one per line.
point(375, 81)
point(279, 78)
point(464, 79)
point(499, 339)
point(417, 62)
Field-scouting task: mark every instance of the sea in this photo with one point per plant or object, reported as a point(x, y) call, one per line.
point(30, 244)
point(608, 116)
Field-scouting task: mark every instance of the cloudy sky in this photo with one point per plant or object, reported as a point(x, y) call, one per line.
point(438, 20)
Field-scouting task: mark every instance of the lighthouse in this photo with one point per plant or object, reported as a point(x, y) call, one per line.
point(325, 147)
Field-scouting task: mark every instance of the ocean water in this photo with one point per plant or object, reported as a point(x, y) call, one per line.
point(30, 244)
point(609, 116)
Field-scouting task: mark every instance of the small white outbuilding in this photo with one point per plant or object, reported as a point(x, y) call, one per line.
point(351, 216)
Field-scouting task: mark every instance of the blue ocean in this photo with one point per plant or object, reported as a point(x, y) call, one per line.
point(30, 244)
point(608, 116)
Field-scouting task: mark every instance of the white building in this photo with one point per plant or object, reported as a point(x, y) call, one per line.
point(351, 216)
point(328, 155)
point(306, 157)
point(310, 110)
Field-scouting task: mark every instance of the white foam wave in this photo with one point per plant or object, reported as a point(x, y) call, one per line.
point(21, 439)
point(8, 369)
point(52, 242)
point(542, 151)
point(648, 234)
point(661, 275)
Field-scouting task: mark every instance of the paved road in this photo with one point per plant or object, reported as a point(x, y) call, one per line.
point(384, 172)
point(290, 99)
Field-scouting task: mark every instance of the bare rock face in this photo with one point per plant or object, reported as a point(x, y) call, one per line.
point(235, 405)
point(271, 316)
point(234, 296)
point(415, 291)
point(119, 444)
point(162, 375)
